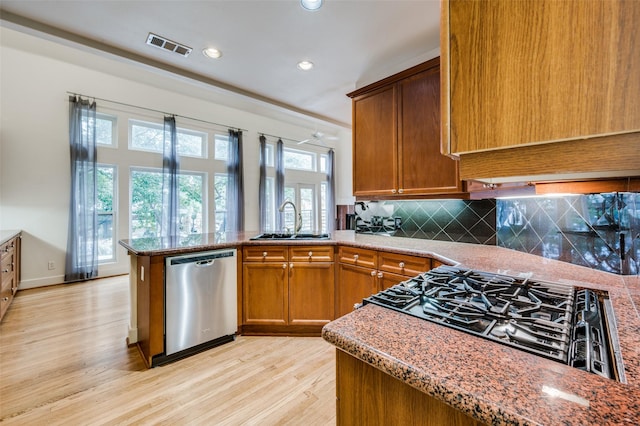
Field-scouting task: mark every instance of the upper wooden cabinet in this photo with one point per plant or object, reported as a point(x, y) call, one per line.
point(541, 87)
point(396, 137)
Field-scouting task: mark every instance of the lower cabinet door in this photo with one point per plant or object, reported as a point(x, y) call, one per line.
point(311, 293)
point(264, 287)
point(355, 283)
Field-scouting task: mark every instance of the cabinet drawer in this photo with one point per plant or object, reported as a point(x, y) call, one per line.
point(311, 254)
point(359, 257)
point(403, 264)
point(265, 254)
point(7, 249)
point(6, 267)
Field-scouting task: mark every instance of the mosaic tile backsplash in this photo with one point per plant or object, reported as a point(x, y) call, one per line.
point(600, 231)
point(465, 221)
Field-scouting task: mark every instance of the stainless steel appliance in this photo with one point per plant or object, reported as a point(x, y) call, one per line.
point(556, 321)
point(200, 301)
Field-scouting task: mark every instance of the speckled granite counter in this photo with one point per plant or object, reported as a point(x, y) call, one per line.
point(491, 382)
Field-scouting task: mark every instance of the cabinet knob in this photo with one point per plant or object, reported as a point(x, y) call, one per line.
point(5, 270)
point(310, 254)
point(400, 191)
point(291, 266)
point(401, 265)
point(5, 299)
point(264, 254)
point(355, 257)
point(373, 273)
point(380, 275)
point(284, 266)
point(393, 191)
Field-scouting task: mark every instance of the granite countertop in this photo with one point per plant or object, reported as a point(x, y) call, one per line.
point(6, 235)
point(494, 383)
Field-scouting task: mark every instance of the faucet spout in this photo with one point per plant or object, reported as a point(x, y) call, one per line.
point(297, 217)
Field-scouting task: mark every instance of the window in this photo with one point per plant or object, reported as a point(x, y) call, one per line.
point(304, 198)
point(299, 160)
point(220, 201)
point(221, 147)
point(106, 183)
point(106, 129)
point(145, 136)
point(146, 202)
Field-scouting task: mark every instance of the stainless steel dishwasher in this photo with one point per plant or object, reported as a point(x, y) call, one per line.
point(200, 301)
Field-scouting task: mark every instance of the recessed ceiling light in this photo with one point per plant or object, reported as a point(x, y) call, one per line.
point(305, 65)
point(211, 52)
point(311, 4)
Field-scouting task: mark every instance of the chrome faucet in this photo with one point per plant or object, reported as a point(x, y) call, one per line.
point(297, 217)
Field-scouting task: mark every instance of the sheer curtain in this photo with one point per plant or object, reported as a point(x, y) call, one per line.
point(331, 191)
point(279, 183)
point(262, 185)
point(82, 243)
point(235, 185)
point(169, 225)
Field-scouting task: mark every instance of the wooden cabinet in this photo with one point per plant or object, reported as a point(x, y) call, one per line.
point(10, 272)
point(363, 272)
point(311, 286)
point(541, 88)
point(287, 290)
point(366, 395)
point(396, 137)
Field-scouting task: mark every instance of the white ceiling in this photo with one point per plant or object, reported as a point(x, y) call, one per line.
point(351, 42)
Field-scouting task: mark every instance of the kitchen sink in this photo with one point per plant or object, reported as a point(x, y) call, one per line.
point(276, 236)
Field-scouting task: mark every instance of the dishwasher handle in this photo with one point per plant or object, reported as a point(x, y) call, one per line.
point(204, 263)
point(201, 259)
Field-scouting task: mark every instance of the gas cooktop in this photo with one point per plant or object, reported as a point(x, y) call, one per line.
point(556, 321)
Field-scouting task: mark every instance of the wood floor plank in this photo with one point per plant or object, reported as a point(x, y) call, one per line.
point(63, 360)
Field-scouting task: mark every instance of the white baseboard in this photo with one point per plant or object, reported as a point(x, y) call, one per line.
point(59, 279)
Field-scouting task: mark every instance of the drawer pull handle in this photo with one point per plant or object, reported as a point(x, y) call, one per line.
point(401, 265)
point(310, 254)
point(264, 254)
point(373, 273)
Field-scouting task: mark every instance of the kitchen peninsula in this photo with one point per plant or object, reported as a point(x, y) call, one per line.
point(488, 382)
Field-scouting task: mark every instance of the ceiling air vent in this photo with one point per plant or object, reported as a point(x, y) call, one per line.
point(166, 44)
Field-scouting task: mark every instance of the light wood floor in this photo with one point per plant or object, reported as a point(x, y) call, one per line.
point(64, 360)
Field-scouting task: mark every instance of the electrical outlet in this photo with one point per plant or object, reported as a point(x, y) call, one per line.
point(51, 265)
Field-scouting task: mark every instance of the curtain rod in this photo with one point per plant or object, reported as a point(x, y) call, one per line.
point(158, 111)
point(296, 141)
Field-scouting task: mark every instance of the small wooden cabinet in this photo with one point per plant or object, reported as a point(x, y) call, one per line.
point(541, 88)
point(366, 395)
point(10, 272)
point(287, 290)
point(396, 137)
point(363, 272)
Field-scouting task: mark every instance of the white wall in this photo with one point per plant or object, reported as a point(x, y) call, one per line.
point(35, 75)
